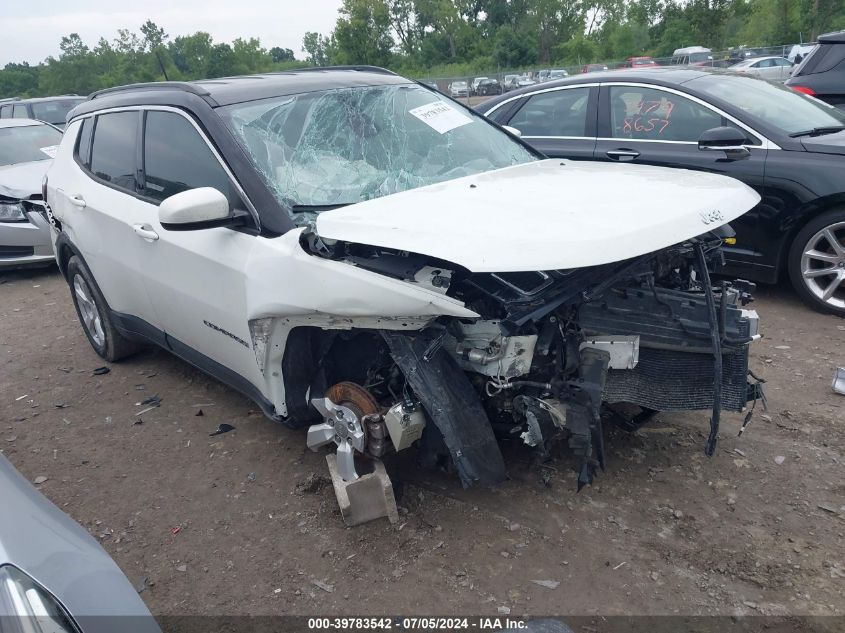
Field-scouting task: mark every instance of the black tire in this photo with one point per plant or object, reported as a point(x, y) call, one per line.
point(110, 344)
point(811, 290)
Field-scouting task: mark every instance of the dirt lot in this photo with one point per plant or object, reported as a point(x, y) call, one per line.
point(228, 524)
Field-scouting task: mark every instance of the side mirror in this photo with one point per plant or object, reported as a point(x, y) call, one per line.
point(724, 139)
point(194, 209)
point(512, 130)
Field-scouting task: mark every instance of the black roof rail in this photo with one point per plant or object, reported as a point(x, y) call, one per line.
point(154, 85)
point(363, 69)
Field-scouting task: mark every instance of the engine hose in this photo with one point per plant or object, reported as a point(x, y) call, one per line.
point(710, 447)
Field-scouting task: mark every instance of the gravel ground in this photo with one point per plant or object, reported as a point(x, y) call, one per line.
point(243, 523)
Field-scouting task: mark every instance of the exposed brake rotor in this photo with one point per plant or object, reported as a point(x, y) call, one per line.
point(343, 408)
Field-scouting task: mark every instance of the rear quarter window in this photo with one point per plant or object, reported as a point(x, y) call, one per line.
point(83, 142)
point(821, 59)
point(113, 151)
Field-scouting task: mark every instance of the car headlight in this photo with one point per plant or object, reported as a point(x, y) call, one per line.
point(12, 212)
point(27, 607)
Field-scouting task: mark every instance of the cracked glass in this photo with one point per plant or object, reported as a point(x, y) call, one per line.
point(337, 147)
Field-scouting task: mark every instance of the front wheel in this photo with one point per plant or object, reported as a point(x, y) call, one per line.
point(817, 262)
point(94, 315)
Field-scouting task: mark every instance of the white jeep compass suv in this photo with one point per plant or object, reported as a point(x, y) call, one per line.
point(356, 252)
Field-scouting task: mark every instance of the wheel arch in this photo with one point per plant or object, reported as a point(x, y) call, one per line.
point(65, 249)
point(807, 214)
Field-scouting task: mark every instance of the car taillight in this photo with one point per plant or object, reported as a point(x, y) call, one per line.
point(804, 90)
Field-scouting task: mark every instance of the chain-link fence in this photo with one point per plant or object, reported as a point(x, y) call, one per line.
point(480, 86)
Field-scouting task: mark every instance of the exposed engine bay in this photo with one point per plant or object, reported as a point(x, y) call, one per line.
point(550, 350)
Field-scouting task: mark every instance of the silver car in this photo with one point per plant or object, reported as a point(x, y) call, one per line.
point(26, 151)
point(54, 577)
point(771, 68)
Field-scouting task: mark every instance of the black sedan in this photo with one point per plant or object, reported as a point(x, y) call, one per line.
point(489, 87)
point(789, 147)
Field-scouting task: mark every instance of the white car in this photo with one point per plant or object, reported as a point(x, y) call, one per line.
point(357, 254)
point(770, 68)
point(26, 147)
point(458, 89)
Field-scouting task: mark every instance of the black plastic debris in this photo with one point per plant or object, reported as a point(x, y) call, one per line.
point(223, 428)
point(151, 400)
point(138, 422)
point(101, 370)
point(61, 405)
point(199, 413)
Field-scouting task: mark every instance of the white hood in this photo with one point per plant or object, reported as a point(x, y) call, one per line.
point(545, 215)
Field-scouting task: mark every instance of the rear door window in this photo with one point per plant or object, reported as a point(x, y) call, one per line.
point(556, 113)
point(177, 158)
point(20, 112)
point(114, 149)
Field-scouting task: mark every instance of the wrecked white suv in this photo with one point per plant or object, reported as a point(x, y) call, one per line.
point(361, 255)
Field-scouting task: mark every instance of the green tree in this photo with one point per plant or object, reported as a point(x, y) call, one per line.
point(362, 34)
point(316, 48)
point(282, 54)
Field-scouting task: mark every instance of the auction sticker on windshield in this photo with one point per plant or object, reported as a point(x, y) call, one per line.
point(440, 116)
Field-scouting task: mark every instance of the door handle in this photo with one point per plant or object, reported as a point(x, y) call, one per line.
point(622, 154)
point(77, 200)
point(145, 231)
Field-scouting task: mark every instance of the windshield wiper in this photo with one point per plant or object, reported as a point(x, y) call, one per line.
point(317, 208)
point(818, 131)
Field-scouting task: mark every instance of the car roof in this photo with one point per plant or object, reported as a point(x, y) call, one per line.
point(56, 98)
point(833, 38)
point(4, 123)
point(665, 75)
point(230, 90)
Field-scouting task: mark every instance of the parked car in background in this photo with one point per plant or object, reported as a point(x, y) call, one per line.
point(593, 68)
point(789, 147)
point(489, 87)
point(510, 82)
point(543, 75)
point(770, 68)
point(458, 89)
point(473, 87)
point(640, 62)
point(431, 84)
point(52, 110)
point(26, 149)
point(799, 51)
point(54, 577)
point(692, 56)
point(822, 73)
point(179, 207)
point(515, 82)
point(558, 73)
point(525, 80)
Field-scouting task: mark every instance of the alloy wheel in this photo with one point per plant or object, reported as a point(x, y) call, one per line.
point(823, 265)
point(88, 310)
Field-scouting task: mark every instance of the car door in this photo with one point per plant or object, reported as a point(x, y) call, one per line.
point(654, 125)
point(194, 278)
point(100, 210)
point(560, 122)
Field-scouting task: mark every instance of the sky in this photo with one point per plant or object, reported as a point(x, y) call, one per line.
point(32, 29)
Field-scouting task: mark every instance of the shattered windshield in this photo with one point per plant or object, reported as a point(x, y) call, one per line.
point(343, 146)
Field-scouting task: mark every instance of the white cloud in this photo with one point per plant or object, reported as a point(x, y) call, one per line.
point(33, 34)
